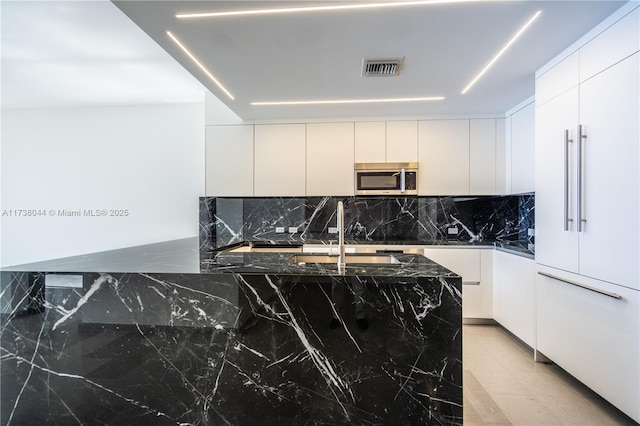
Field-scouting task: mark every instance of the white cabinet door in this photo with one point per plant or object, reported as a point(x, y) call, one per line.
point(609, 111)
point(556, 246)
point(482, 157)
point(443, 157)
point(402, 141)
point(616, 43)
point(229, 161)
point(370, 142)
point(523, 150)
point(464, 262)
point(507, 152)
point(513, 295)
point(475, 268)
point(592, 336)
point(279, 160)
point(330, 159)
point(391, 141)
point(558, 79)
point(485, 307)
point(501, 156)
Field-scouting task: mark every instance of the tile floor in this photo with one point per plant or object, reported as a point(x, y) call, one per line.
point(503, 385)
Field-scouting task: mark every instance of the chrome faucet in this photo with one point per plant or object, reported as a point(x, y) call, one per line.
point(340, 226)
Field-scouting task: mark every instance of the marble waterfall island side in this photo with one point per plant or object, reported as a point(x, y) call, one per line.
point(246, 341)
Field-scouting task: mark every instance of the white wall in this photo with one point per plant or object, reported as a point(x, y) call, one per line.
point(146, 159)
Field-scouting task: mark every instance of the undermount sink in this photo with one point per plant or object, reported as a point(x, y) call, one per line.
point(350, 258)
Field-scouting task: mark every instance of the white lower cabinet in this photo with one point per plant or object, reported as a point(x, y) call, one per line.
point(475, 266)
point(592, 333)
point(513, 295)
point(482, 296)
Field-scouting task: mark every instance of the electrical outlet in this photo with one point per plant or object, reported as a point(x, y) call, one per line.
point(453, 230)
point(293, 229)
point(531, 232)
point(279, 229)
point(333, 230)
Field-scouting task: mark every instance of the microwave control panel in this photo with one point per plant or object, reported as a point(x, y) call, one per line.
point(410, 180)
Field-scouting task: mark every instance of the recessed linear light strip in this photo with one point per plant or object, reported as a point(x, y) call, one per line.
point(348, 101)
point(321, 8)
point(193, 58)
point(501, 52)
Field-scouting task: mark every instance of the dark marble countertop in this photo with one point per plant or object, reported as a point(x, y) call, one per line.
point(410, 265)
point(407, 242)
point(516, 247)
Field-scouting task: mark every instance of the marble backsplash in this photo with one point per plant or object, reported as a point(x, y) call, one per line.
point(408, 220)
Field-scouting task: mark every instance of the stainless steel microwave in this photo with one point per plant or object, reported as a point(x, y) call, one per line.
point(386, 178)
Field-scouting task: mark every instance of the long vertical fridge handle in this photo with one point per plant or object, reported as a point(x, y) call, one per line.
point(567, 219)
point(580, 136)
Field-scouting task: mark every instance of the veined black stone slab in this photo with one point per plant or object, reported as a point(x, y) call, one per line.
point(381, 220)
point(247, 341)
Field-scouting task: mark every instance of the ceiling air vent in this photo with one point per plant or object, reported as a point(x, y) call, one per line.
point(381, 67)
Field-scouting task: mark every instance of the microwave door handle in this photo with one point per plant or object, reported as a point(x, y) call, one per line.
point(402, 181)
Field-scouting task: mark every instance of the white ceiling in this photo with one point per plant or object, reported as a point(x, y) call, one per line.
point(84, 53)
point(318, 56)
point(77, 53)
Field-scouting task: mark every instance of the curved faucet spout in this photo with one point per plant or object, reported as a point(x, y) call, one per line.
point(340, 226)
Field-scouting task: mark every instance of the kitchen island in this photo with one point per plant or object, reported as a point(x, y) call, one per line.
point(245, 341)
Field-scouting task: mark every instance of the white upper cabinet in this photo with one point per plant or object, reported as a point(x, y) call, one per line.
point(456, 157)
point(558, 79)
point(229, 161)
point(507, 152)
point(443, 157)
point(501, 155)
point(330, 158)
point(370, 142)
point(402, 141)
point(612, 46)
point(391, 141)
point(523, 150)
point(482, 157)
point(279, 160)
